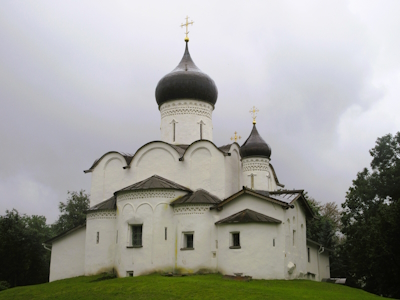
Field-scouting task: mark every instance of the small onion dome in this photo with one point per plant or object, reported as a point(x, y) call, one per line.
point(186, 81)
point(255, 146)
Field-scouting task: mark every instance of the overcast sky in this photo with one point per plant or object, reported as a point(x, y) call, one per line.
point(77, 79)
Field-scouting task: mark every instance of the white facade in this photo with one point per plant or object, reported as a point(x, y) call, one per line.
point(185, 121)
point(184, 205)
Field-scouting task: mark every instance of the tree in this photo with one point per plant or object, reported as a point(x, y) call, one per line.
point(73, 212)
point(324, 227)
point(23, 259)
point(371, 222)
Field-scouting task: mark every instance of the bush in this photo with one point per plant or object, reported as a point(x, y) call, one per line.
point(4, 285)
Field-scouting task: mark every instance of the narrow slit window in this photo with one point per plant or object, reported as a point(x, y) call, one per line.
point(294, 237)
point(165, 233)
point(116, 239)
point(308, 254)
point(273, 242)
point(97, 237)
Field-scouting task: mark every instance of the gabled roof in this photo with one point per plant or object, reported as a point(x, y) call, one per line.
point(248, 216)
point(260, 194)
point(154, 182)
point(106, 204)
point(291, 196)
point(198, 197)
point(62, 234)
point(284, 198)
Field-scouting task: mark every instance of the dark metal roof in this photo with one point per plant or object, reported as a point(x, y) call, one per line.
point(255, 145)
point(291, 196)
point(261, 194)
point(127, 156)
point(198, 197)
point(154, 182)
point(318, 244)
point(62, 234)
point(248, 216)
point(186, 81)
point(110, 203)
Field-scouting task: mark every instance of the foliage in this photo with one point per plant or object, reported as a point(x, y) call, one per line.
point(23, 259)
point(4, 285)
point(73, 212)
point(189, 287)
point(371, 222)
point(325, 229)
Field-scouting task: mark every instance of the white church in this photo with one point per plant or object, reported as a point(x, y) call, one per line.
point(184, 205)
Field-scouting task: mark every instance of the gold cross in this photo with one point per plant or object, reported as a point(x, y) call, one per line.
point(253, 113)
point(187, 25)
point(236, 138)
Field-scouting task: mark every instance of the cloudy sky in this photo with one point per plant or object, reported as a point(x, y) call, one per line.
point(77, 79)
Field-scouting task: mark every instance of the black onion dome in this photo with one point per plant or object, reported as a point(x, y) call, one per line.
point(186, 81)
point(255, 146)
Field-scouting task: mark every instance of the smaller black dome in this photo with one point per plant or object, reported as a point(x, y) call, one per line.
point(255, 146)
point(186, 81)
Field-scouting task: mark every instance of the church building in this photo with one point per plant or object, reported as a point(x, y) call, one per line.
point(184, 205)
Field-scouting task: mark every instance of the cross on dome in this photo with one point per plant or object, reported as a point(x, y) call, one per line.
point(187, 25)
point(236, 137)
point(253, 113)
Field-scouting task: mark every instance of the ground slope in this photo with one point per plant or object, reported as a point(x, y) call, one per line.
point(189, 287)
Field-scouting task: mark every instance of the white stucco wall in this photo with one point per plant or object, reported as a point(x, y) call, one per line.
point(319, 262)
point(204, 166)
point(151, 209)
point(257, 257)
point(100, 255)
point(262, 173)
point(68, 256)
point(187, 114)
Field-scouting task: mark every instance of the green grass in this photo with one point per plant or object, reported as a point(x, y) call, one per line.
point(190, 287)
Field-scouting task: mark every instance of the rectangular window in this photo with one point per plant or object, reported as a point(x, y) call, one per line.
point(165, 233)
point(116, 239)
point(235, 240)
point(98, 237)
point(129, 273)
point(188, 241)
point(308, 254)
point(137, 235)
point(273, 242)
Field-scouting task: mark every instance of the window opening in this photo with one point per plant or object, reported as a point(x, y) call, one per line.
point(294, 237)
point(188, 241)
point(116, 239)
point(129, 273)
point(165, 233)
point(273, 242)
point(137, 235)
point(97, 237)
point(308, 254)
point(235, 240)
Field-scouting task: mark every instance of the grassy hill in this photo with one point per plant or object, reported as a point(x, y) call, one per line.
point(189, 287)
